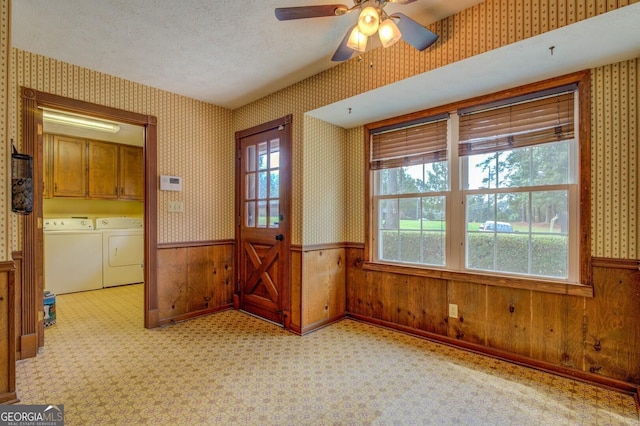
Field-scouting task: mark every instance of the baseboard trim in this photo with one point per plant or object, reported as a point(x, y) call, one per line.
point(195, 314)
point(28, 345)
point(9, 398)
point(320, 324)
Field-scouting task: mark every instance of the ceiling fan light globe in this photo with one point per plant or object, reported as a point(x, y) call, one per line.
point(357, 40)
point(389, 33)
point(368, 21)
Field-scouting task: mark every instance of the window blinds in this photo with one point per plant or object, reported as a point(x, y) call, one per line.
point(529, 122)
point(424, 142)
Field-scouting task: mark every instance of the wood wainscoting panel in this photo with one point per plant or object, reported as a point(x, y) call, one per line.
point(7, 334)
point(195, 279)
point(209, 277)
point(383, 300)
point(357, 283)
point(296, 292)
point(425, 302)
point(223, 273)
point(199, 278)
point(172, 283)
point(509, 319)
point(471, 323)
point(611, 325)
point(323, 287)
point(549, 328)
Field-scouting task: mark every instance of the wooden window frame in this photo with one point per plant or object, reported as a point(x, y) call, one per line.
point(584, 286)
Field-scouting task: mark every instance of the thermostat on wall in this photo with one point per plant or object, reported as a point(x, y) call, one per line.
point(170, 183)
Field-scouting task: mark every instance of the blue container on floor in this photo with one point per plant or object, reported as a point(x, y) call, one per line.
point(49, 309)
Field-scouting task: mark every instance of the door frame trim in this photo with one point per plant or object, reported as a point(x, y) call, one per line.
point(285, 173)
point(32, 132)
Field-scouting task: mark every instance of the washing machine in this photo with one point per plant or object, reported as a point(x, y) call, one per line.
point(72, 255)
point(122, 250)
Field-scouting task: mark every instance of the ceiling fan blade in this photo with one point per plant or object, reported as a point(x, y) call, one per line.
point(343, 52)
point(302, 12)
point(414, 33)
point(401, 1)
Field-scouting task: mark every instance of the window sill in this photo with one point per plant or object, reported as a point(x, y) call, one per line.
point(486, 279)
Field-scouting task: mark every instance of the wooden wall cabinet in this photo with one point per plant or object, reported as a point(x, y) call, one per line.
point(69, 167)
point(131, 177)
point(103, 170)
point(93, 169)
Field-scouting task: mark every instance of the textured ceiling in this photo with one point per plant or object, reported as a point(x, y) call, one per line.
point(226, 52)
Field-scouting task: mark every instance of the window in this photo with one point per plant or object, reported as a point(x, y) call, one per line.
point(512, 166)
point(410, 174)
point(518, 163)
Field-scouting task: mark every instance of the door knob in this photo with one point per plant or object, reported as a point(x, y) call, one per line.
point(279, 237)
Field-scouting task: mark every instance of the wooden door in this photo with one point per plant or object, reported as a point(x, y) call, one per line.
point(131, 173)
point(69, 167)
point(103, 170)
point(264, 220)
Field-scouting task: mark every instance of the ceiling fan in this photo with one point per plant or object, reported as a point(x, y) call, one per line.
point(372, 19)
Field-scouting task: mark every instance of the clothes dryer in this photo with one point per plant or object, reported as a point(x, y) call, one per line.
point(122, 250)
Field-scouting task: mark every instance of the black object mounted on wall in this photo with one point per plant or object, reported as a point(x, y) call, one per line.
point(21, 182)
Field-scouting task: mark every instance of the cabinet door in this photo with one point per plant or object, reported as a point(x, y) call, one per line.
point(69, 167)
point(131, 173)
point(103, 170)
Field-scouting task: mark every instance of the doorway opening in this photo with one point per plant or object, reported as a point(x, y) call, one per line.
point(31, 304)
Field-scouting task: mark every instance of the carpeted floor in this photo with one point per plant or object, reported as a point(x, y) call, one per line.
point(231, 368)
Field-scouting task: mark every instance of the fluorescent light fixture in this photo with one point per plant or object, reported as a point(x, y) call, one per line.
point(79, 121)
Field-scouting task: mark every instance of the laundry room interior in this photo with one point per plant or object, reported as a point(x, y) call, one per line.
point(93, 203)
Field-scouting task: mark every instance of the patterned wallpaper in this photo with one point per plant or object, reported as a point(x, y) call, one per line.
point(354, 186)
point(615, 153)
point(326, 180)
point(196, 140)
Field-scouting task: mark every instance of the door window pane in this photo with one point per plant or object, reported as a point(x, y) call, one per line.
point(251, 158)
point(262, 185)
point(274, 181)
point(274, 157)
point(274, 214)
point(250, 186)
point(262, 214)
point(250, 214)
point(262, 156)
